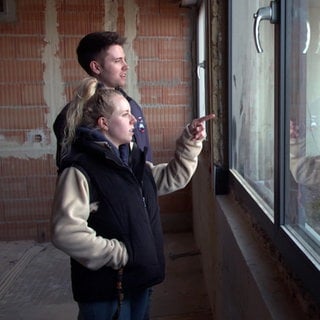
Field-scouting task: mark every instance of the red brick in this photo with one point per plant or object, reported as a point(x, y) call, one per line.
point(21, 71)
point(166, 73)
point(80, 5)
point(160, 26)
point(147, 6)
point(10, 94)
point(22, 118)
point(167, 117)
point(70, 90)
point(15, 167)
point(177, 95)
point(27, 209)
point(176, 49)
point(151, 95)
point(18, 231)
point(13, 188)
point(173, 8)
point(40, 185)
point(71, 71)
point(32, 94)
point(170, 135)
point(68, 46)
point(90, 21)
point(29, 47)
point(32, 26)
point(31, 6)
point(8, 47)
point(156, 138)
point(147, 47)
point(30, 23)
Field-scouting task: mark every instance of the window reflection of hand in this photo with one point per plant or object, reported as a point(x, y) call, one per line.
point(294, 130)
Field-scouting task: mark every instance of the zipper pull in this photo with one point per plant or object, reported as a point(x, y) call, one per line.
point(144, 201)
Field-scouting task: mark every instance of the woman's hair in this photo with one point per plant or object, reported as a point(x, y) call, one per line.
point(100, 104)
point(91, 101)
point(74, 115)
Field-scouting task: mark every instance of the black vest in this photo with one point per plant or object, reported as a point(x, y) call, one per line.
point(128, 211)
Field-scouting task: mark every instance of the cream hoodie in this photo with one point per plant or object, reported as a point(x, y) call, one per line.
point(71, 207)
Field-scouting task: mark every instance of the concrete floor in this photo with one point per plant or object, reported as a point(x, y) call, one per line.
point(35, 283)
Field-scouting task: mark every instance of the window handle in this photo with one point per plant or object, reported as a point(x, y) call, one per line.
point(265, 13)
point(202, 65)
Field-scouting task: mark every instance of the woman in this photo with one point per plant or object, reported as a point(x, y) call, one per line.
point(105, 212)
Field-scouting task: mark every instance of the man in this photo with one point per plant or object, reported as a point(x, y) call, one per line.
point(101, 55)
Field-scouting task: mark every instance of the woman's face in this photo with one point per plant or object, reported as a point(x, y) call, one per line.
point(120, 126)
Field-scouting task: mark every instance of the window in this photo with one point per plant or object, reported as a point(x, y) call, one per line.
point(7, 10)
point(201, 60)
point(303, 104)
point(274, 85)
point(252, 85)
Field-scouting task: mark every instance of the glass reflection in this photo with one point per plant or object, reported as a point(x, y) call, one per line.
point(303, 97)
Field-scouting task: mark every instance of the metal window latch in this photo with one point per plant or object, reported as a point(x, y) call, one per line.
point(270, 13)
point(200, 65)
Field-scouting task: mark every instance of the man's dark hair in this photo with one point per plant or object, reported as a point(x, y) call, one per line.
point(93, 43)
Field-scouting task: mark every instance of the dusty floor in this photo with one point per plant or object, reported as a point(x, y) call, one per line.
point(35, 283)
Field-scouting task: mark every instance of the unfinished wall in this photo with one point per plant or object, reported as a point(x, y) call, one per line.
point(244, 278)
point(40, 71)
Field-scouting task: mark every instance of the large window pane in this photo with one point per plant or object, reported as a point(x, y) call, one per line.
point(303, 99)
point(252, 90)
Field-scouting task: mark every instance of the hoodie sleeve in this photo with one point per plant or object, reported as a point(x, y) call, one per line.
point(177, 173)
point(70, 230)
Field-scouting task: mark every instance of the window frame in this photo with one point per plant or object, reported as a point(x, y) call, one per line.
point(9, 11)
point(295, 257)
point(202, 53)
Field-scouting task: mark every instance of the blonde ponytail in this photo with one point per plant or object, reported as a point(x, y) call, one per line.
point(74, 115)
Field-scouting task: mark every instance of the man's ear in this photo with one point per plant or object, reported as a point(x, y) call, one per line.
point(95, 67)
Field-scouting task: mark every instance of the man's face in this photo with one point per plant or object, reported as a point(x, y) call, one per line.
point(113, 67)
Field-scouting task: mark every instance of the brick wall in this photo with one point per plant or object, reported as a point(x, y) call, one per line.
point(39, 72)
